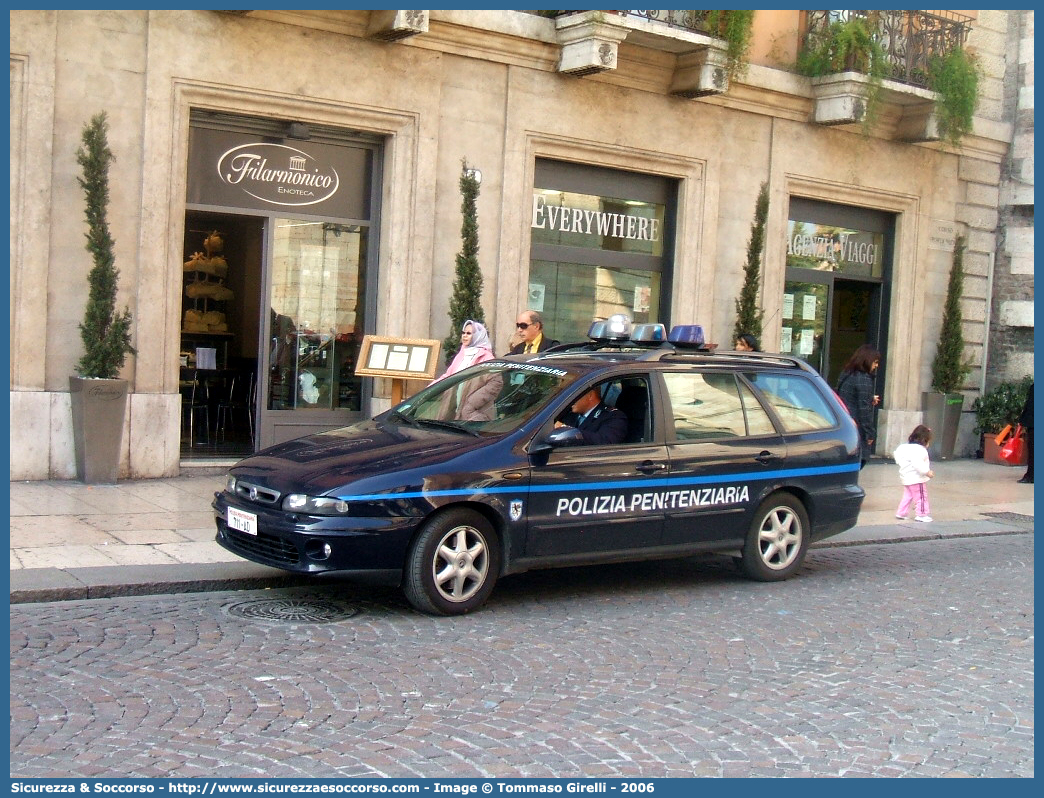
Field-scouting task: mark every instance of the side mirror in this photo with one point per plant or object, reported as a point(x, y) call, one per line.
point(564, 436)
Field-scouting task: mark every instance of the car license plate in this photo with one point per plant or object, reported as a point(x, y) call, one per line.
point(244, 522)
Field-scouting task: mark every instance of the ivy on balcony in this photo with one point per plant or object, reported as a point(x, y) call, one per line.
point(921, 50)
point(909, 40)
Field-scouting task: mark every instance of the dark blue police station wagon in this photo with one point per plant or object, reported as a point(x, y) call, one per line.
point(749, 454)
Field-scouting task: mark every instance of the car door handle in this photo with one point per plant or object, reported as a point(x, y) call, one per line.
point(648, 467)
point(767, 457)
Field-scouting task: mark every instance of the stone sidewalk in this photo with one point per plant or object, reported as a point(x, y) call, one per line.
point(73, 541)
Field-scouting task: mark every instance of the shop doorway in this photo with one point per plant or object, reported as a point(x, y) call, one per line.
point(855, 319)
point(220, 334)
point(272, 317)
point(280, 280)
point(825, 318)
point(839, 265)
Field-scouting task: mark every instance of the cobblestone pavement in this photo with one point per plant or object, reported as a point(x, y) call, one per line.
point(908, 659)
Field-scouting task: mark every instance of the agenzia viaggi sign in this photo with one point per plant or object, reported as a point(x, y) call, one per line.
point(242, 170)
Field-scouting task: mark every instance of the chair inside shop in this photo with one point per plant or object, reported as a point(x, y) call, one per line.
point(195, 401)
point(237, 405)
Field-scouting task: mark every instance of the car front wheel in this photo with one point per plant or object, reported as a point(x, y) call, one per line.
point(452, 564)
point(778, 539)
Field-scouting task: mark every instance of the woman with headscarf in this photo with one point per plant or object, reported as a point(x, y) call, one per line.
point(473, 399)
point(474, 347)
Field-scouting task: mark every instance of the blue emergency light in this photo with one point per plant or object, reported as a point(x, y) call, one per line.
point(687, 336)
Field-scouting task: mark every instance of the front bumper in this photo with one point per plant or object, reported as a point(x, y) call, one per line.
point(315, 544)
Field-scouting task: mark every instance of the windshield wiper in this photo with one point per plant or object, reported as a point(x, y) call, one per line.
point(399, 415)
point(453, 425)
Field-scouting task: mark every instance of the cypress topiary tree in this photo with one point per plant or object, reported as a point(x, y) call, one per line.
point(466, 302)
point(949, 368)
point(748, 313)
point(105, 334)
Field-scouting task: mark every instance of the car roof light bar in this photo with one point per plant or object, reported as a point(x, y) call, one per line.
point(654, 334)
point(687, 336)
point(616, 328)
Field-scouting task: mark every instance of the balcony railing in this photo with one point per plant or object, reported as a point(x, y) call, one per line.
point(695, 21)
point(910, 39)
point(684, 20)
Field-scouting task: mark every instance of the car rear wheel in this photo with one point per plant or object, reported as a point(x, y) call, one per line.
point(452, 564)
point(778, 539)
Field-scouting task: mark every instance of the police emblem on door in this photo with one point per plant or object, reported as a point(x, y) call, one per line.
point(516, 509)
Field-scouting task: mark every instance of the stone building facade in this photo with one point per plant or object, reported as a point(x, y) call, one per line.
point(351, 129)
point(1011, 308)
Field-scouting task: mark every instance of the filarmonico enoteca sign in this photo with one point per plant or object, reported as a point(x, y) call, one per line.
point(240, 170)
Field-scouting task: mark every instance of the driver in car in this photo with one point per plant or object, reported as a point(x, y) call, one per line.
point(596, 421)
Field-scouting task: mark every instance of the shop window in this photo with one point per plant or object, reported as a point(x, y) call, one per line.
point(318, 277)
point(601, 244)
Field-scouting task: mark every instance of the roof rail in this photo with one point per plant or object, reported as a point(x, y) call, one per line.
point(670, 353)
point(602, 346)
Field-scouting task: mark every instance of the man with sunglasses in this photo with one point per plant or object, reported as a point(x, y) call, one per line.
point(529, 334)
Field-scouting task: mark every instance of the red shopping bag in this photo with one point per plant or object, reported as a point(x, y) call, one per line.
point(1013, 448)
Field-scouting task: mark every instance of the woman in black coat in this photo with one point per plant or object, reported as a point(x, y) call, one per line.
point(1026, 420)
point(856, 389)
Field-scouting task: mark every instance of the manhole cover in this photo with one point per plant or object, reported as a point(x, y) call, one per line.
point(293, 610)
point(1017, 517)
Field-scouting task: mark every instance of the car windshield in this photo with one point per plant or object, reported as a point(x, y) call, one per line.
point(490, 398)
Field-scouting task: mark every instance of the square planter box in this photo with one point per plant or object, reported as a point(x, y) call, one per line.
point(991, 453)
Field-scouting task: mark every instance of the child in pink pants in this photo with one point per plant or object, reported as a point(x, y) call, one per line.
point(914, 471)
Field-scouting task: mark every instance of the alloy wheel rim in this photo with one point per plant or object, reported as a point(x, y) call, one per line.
point(461, 564)
point(780, 538)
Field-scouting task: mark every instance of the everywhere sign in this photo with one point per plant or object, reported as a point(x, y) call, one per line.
point(593, 222)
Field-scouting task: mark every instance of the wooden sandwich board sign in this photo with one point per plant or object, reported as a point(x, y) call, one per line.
point(399, 359)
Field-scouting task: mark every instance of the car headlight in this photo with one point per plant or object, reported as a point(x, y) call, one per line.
point(314, 505)
point(230, 484)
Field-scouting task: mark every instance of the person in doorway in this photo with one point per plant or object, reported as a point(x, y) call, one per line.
point(597, 422)
point(747, 343)
point(529, 335)
point(1026, 420)
point(856, 389)
point(915, 469)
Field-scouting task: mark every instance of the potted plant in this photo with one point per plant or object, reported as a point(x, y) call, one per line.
point(996, 409)
point(98, 396)
point(845, 46)
point(943, 405)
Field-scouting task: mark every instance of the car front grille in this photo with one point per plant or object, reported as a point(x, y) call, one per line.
point(257, 493)
point(268, 547)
